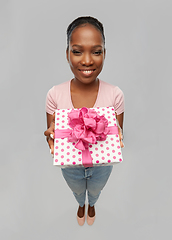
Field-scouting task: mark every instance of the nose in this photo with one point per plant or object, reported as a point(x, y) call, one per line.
point(86, 59)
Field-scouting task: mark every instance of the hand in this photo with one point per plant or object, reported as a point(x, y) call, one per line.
point(120, 132)
point(120, 137)
point(49, 133)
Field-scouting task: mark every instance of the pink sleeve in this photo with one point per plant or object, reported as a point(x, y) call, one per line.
point(119, 101)
point(51, 105)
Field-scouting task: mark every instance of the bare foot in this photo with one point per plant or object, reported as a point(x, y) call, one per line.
point(81, 211)
point(91, 211)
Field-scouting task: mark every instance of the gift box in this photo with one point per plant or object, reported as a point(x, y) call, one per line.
point(86, 137)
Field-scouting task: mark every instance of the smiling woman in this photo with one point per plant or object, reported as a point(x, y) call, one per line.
point(85, 54)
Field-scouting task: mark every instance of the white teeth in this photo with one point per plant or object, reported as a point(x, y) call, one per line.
point(87, 71)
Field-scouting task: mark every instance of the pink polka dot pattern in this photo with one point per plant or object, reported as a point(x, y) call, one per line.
point(103, 152)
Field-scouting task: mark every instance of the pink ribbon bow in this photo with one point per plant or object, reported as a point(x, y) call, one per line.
point(87, 127)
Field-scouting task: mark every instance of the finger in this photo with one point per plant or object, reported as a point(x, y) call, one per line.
point(121, 144)
point(52, 135)
point(120, 136)
point(51, 145)
point(49, 133)
point(120, 133)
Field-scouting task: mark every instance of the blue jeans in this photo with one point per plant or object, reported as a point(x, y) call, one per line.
point(92, 179)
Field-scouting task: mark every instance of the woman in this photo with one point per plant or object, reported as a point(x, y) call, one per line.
point(85, 54)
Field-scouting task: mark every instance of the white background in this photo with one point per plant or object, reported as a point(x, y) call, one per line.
point(35, 202)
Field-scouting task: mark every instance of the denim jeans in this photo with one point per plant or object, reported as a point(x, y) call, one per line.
point(92, 179)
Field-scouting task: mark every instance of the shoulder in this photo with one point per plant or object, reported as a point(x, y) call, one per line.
point(58, 88)
point(109, 88)
point(113, 96)
point(55, 96)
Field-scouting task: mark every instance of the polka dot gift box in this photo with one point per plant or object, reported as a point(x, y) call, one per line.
point(86, 137)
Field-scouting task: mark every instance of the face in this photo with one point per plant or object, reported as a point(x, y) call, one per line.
point(86, 53)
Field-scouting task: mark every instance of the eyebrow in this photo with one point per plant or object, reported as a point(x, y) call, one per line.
point(76, 45)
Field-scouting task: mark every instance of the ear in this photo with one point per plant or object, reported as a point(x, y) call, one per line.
point(104, 53)
point(67, 54)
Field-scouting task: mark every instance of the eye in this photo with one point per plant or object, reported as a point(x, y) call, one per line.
point(76, 52)
point(97, 53)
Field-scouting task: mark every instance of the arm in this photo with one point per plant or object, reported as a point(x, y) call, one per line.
point(120, 119)
point(50, 131)
point(49, 119)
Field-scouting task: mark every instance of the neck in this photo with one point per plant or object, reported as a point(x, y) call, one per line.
point(77, 85)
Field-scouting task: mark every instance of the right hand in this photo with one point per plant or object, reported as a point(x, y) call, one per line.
point(49, 133)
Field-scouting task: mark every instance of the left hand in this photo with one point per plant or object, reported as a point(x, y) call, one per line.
point(120, 132)
point(120, 137)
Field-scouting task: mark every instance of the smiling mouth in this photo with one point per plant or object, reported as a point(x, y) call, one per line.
point(87, 72)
